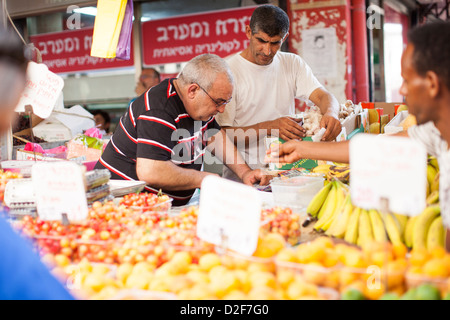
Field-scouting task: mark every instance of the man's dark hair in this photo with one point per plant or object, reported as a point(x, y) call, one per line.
point(157, 74)
point(271, 20)
point(12, 50)
point(432, 49)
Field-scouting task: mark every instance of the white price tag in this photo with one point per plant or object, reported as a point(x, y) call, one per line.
point(229, 215)
point(59, 188)
point(42, 90)
point(393, 168)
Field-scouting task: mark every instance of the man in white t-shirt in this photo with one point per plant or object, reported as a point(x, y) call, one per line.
point(267, 83)
point(426, 87)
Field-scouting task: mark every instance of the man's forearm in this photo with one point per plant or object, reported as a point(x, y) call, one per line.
point(326, 102)
point(168, 176)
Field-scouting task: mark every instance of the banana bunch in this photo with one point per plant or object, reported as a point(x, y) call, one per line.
point(325, 202)
point(426, 230)
point(332, 172)
point(360, 226)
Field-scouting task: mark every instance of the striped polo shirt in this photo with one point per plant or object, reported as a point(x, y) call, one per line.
point(156, 126)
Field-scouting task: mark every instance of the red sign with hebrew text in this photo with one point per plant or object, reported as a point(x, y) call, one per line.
point(179, 39)
point(70, 52)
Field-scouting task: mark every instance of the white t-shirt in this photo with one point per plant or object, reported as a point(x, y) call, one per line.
point(430, 136)
point(264, 93)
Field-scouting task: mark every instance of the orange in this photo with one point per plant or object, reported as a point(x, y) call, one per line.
point(418, 257)
point(324, 242)
point(400, 250)
point(331, 258)
point(315, 273)
point(395, 275)
point(438, 252)
point(287, 255)
point(346, 277)
point(436, 268)
point(374, 292)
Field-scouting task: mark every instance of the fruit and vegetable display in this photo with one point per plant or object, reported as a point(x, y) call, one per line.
point(137, 247)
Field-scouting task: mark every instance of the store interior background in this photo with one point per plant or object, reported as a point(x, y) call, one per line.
point(112, 90)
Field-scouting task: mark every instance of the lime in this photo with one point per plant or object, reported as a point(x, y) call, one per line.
point(428, 292)
point(352, 294)
point(389, 296)
point(447, 296)
point(410, 295)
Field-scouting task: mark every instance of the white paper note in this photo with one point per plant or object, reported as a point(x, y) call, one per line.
point(59, 188)
point(42, 90)
point(393, 168)
point(229, 214)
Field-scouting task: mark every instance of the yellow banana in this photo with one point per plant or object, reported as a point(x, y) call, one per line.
point(433, 198)
point(402, 221)
point(409, 231)
point(422, 225)
point(431, 174)
point(341, 199)
point(428, 189)
point(323, 168)
point(330, 209)
point(436, 234)
point(393, 228)
point(365, 233)
point(434, 186)
point(351, 234)
point(330, 202)
point(337, 228)
point(434, 162)
point(379, 232)
point(318, 200)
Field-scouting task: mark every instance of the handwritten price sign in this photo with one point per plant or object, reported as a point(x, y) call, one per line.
point(42, 90)
point(229, 215)
point(391, 168)
point(59, 188)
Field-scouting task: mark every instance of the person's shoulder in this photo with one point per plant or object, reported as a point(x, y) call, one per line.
point(289, 57)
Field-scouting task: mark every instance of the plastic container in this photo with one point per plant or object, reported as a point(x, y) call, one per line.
point(296, 192)
point(97, 178)
point(415, 280)
point(120, 188)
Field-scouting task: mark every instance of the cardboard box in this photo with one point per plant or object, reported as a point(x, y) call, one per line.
point(394, 125)
point(64, 125)
point(36, 156)
point(302, 163)
point(388, 107)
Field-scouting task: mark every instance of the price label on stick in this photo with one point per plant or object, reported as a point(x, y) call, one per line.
point(388, 168)
point(59, 189)
point(229, 215)
point(42, 90)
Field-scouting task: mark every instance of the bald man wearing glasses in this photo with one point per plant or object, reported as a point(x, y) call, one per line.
point(164, 134)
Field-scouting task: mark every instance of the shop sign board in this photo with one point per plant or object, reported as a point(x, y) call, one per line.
point(70, 52)
point(229, 215)
point(179, 39)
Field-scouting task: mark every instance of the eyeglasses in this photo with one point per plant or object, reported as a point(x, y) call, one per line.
point(219, 102)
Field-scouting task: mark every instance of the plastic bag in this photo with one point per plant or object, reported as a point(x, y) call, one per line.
point(107, 27)
point(124, 45)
